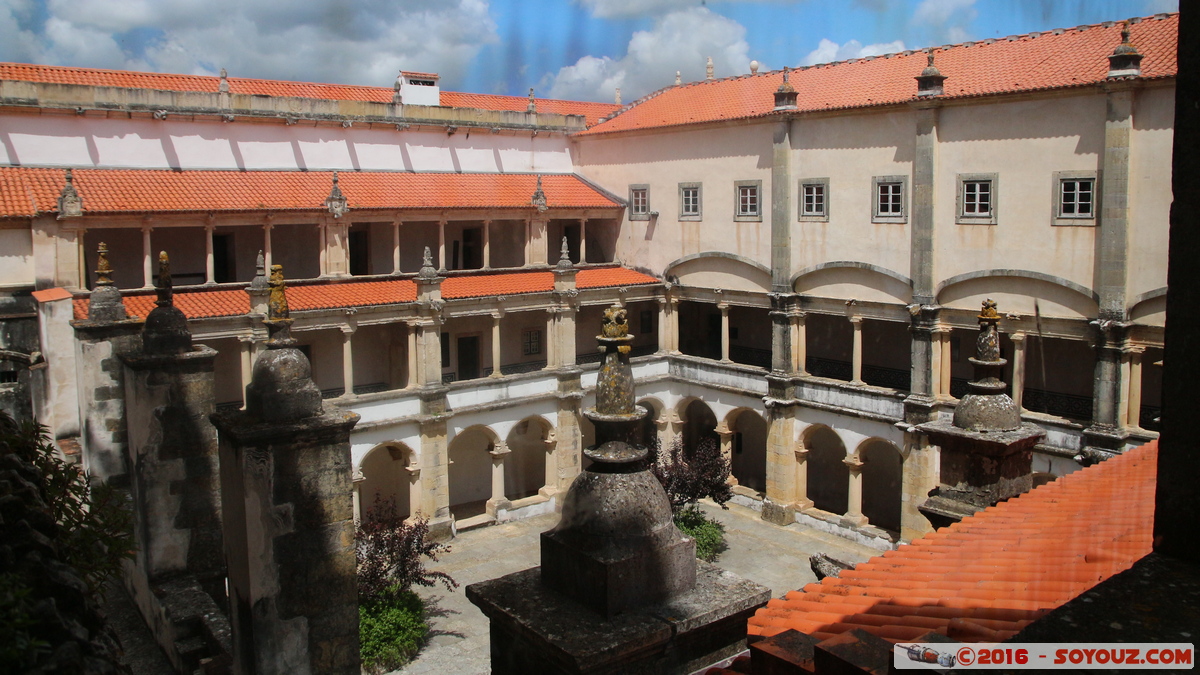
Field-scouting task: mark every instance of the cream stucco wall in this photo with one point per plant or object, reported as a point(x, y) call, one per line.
point(16, 256)
point(1150, 203)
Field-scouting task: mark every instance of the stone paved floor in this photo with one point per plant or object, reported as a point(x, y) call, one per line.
point(776, 557)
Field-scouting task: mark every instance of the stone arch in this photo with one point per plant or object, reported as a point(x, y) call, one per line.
point(828, 475)
point(861, 280)
point(882, 475)
point(470, 470)
point(699, 423)
point(386, 472)
point(1150, 307)
point(525, 466)
point(1019, 291)
point(748, 447)
point(649, 424)
point(718, 269)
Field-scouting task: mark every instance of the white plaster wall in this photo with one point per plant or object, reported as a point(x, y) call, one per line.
point(1150, 193)
point(714, 158)
point(16, 257)
point(60, 140)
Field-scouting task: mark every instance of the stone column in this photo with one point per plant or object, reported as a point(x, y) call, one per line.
point(247, 352)
point(800, 500)
point(551, 342)
point(356, 496)
point(856, 358)
point(674, 328)
point(550, 488)
point(1018, 376)
point(496, 316)
point(412, 376)
point(487, 244)
point(322, 254)
point(583, 241)
point(1135, 385)
point(724, 307)
point(268, 225)
point(498, 502)
point(210, 264)
point(348, 359)
point(854, 516)
point(799, 343)
point(726, 437)
point(287, 504)
point(947, 372)
point(415, 498)
point(1123, 390)
point(442, 267)
point(663, 340)
point(396, 246)
point(147, 255)
point(528, 241)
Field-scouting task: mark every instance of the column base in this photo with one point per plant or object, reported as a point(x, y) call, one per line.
point(495, 506)
point(854, 520)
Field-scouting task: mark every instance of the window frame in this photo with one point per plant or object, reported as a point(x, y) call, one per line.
point(633, 213)
point(1056, 216)
point(699, 214)
point(876, 216)
point(961, 215)
point(738, 216)
point(531, 342)
point(823, 183)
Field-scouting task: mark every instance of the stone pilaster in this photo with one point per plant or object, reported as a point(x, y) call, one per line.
point(1105, 437)
point(779, 505)
point(919, 405)
point(1112, 235)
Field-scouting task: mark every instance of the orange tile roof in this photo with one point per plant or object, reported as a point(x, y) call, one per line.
point(243, 85)
point(203, 304)
point(1057, 59)
point(26, 192)
point(987, 577)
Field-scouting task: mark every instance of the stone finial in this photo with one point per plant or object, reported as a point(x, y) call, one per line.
point(754, 65)
point(336, 201)
point(678, 78)
point(564, 255)
point(281, 387)
point(1125, 61)
point(103, 268)
point(987, 408)
point(786, 95)
point(105, 304)
point(260, 273)
point(708, 69)
point(617, 98)
point(396, 96)
point(427, 269)
point(223, 87)
point(166, 330)
point(930, 81)
point(70, 204)
point(616, 322)
point(532, 107)
point(277, 308)
point(539, 197)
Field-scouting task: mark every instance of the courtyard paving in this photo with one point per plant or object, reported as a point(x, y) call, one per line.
point(776, 557)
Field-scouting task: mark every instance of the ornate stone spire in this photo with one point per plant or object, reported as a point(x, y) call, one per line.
point(532, 107)
point(166, 330)
point(224, 86)
point(708, 69)
point(105, 303)
point(427, 269)
point(1125, 60)
point(564, 256)
point(785, 95)
point(260, 272)
point(336, 201)
point(70, 204)
point(281, 387)
point(987, 407)
point(678, 78)
point(539, 197)
point(929, 82)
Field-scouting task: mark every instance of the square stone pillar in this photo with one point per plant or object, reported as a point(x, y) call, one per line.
point(101, 385)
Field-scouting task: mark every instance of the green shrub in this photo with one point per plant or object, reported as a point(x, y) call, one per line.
point(708, 533)
point(391, 630)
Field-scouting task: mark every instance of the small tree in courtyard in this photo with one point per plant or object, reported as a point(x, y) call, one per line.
point(688, 477)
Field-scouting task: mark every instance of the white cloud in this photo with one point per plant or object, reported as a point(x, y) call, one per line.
point(679, 41)
point(609, 9)
point(828, 51)
point(947, 20)
point(353, 41)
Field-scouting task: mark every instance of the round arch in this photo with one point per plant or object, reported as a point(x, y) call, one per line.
point(699, 424)
point(525, 465)
point(828, 475)
point(882, 474)
point(748, 451)
point(386, 475)
point(719, 269)
point(649, 426)
point(470, 470)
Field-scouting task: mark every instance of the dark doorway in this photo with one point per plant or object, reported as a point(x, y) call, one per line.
point(571, 232)
point(223, 258)
point(472, 248)
point(360, 252)
point(468, 357)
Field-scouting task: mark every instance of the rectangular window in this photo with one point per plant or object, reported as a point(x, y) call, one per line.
point(890, 197)
point(639, 202)
point(977, 198)
point(531, 342)
point(689, 201)
point(814, 199)
point(748, 196)
point(1075, 198)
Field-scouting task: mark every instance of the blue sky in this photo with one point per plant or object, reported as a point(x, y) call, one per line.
point(564, 48)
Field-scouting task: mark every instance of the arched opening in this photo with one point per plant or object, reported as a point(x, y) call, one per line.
point(471, 472)
point(525, 466)
point(881, 474)
point(649, 429)
point(828, 475)
point(749, 451)
point(385, 476)
point(699, 425)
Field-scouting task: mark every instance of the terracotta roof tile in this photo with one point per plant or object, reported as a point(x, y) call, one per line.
point(987, 577)
point(242, 85)
point(203, 304)
point(26, 192)
point(1072, 57)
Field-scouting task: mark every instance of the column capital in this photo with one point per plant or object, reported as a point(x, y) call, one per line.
point(1017, 338)
point(1130, 348)
point(854, 463)
point(499, 451)
point(147, 224)
point(856, 320)
point(801, 453)
point(497, 314)
point(348, 329)
point(247, 339)
point(724, 307)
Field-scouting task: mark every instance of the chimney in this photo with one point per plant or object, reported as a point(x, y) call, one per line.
point(1125, 61)
point(785, 95)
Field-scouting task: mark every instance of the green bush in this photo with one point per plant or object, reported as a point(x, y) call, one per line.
point(391, 630)
point(708, 533)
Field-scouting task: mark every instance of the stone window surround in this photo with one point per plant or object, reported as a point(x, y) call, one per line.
point(633, 213)
point(961, 217)
point(737, 201)
point(877, 217)
point(699, 214)
point(1056, 219)
point(814, 217)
